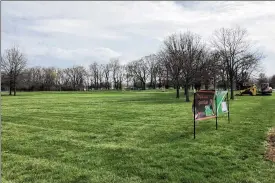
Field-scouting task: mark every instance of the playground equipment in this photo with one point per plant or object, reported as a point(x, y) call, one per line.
point(266, 89)
point(249, 89)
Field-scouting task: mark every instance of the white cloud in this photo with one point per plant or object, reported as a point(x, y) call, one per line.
point(101, 30)
point(80, 55)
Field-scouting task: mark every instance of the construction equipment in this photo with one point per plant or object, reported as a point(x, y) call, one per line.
point(265, 89)
point(249, 89)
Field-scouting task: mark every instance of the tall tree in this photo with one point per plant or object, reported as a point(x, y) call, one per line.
point(193, 53)
point(128, 75)
point(233, 45)
point(183, 56)
point(152, 63)
point(140, 70)
point(75, 77)
point(248, 68)
point(115, 68)
point(262, 79)
point(169, 57)
point(94, 69)
point(272, 81)
point(13, 63)
point(49, 78)
point(106, 75)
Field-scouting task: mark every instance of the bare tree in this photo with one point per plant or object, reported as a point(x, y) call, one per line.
point(121, 74)
point(101, 75)
point(183, 57)
point(106, 75)
point(36, 78)
point(13, 63)
point(262, 79)
point(233, 46)
point(210, 73)
point(98, 72)
point(49, 78)
point(115, 68)
point(75, 77)
point(152, 69)
point(193, 53)
point(248, 68)
point(128, 74)
point(140, 70)
point(272, 81)
point(163, 71)
point(59, 80)
point(94, 69)
point(171, 59)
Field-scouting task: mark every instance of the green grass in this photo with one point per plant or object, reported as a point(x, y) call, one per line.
point(126, 137)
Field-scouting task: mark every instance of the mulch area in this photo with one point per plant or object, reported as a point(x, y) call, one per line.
point(270, 153)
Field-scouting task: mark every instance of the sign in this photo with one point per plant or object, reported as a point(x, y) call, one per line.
point(221, 102)
point(209, 104)
point(204, 104)
point(224, 107)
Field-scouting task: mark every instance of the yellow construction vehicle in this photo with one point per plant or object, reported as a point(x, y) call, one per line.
point(249, 89)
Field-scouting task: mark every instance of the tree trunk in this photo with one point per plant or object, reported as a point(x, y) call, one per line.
point(215, 83)
point(10, 86)
point(225, 86)
point(206, 86)
point(231, 89)
point(151, 82)
point(14, 87)
point(178, 90)
point(167, 82)
point(185, 90)
point(187, 99)
point(155, 82)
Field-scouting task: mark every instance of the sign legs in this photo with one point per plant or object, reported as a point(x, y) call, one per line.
point(216, 106)
point(194, 110)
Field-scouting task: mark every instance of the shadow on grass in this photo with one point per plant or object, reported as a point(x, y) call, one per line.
point(258, 95)
point(4, 94)
point(264, 94)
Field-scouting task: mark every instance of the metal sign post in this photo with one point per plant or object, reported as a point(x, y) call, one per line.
point(194, 108)
point(216, 105)
point(228, 116)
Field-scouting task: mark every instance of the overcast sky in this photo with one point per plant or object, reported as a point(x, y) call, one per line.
point(63, 34)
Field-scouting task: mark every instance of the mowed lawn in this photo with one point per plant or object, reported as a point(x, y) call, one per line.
point(124, 137)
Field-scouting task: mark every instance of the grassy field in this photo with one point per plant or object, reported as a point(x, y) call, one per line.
point(127, 137)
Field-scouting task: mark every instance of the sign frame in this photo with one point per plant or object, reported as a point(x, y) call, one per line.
point(215, 109)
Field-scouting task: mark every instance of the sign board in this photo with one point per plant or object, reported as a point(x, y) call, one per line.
point(204, 104)
point(209, 104)
point(221, 102)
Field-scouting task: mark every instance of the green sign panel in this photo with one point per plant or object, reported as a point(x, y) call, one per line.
point(221, 102)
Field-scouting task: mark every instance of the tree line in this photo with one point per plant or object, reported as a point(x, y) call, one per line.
point(184, 60)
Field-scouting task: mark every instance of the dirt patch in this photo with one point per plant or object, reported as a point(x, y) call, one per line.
point(270, 153)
